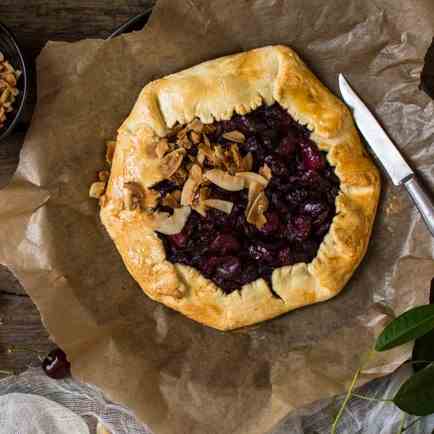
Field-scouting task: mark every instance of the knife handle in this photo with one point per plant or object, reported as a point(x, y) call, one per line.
point(422, 201)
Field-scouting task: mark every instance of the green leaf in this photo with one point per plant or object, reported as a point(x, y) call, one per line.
point(423, 350)
point(416, 395)
point(410, 325)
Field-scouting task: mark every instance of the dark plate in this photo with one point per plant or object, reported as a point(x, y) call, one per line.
point(12, 53)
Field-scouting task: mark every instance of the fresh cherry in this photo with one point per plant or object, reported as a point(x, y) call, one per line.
point(56, 365)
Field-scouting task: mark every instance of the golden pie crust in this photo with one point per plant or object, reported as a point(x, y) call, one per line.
point(216, 90)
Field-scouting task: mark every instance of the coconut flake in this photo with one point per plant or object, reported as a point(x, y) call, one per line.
point(250, 177)
point(191, 185)
point(224, 180)
point(175, 223)
point(255, 214)
point(171, 162)
point(265, 171)
point(222, 205)
point(235, 136)
point(172, 199)
point(162, 147)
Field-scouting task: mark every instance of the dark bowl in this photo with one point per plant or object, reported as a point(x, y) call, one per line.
point(12, 53)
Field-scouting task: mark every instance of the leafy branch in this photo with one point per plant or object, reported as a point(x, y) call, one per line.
point(416, 395)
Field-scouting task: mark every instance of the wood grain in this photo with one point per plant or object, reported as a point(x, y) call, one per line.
point(33, 23)
point(21, 329)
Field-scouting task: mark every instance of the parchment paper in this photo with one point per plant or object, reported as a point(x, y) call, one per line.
point(179, 376)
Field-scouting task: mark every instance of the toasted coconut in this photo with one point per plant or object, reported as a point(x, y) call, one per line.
point(209, 154)
point(224, 180)
point(175, 223)
point(196, 125)
point(201, 157)
point(138, 196)
point(228, 162)
point(247, 163)
point(171, 162)
point(265, 171)
point(97, 189)
point(184, 142)
point(162, 147)
point(135, 188)
point(172, 199)
point(199, 201)
point(255, 214)
point(208, 128)
point(191, 185)
point(250, 177)
point(195, 137)
point(235, 136)
point(206, 140)
point(254, 190)
point(175, 130)
point(110, 150)
point(222, 205)
point(219, 153)
point(179, 177)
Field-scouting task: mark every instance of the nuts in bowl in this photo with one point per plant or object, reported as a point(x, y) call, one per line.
point(14, 82)
point(9, 77)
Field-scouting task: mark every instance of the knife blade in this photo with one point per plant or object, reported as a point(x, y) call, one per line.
point(378, 140)
point(386, 152)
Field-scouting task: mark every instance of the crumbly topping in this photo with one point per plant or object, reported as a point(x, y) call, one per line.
point(97, 189)
point(220, 164)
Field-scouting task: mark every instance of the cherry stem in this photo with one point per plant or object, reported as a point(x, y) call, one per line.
point(5, 372)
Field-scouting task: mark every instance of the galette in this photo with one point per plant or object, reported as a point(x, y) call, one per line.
point(239, 190)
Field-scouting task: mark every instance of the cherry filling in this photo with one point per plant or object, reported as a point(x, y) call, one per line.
point(301, 194)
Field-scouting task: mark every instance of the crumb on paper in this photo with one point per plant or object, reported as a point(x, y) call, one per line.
point(393, 205)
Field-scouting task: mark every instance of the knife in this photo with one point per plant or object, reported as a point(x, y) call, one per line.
point(386, 152)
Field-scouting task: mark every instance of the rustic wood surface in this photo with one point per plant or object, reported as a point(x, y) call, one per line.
point(23, 339)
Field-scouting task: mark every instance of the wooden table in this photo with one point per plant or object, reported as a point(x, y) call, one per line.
point(34, 22)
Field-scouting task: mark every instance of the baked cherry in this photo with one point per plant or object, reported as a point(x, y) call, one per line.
point(301, 193)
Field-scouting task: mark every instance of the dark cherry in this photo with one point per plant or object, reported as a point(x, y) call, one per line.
point(224, 244)
point(285, 256)
point(302, 193)
point(228, 267)
point(312, 157)
point(287, 147)
point(179, 240)
point(272, 225)
point(251, 144)
point(260, 252)
point(209, 265)
point(299, 227)
point(276, 165)
point(56, 365)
